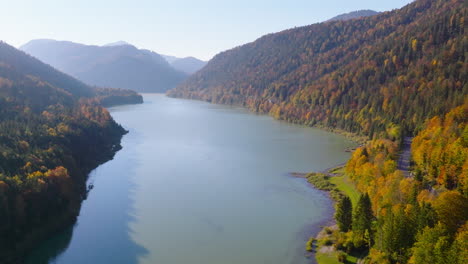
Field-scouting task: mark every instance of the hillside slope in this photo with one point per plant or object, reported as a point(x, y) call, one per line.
point(23, 63)
point(117, 66)
point(366, 75)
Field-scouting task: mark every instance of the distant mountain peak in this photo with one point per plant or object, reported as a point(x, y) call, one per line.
point(188, 65)
point(118, 43)
point(169, 58)
point(35, 41)
point(353, 15)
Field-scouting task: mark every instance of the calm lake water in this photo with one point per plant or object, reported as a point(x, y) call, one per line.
point(202, 184)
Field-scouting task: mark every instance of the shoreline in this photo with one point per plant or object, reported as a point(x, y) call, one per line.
point(321, 181)
point(312, 231)
point(359, 140)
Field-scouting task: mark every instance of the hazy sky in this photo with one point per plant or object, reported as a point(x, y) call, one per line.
point(200, 28)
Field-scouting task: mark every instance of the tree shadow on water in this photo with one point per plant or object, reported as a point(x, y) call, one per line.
point(54, 250)
point(51, 248)
point(102, 233)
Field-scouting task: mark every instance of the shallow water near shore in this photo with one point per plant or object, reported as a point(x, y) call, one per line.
point(202, 184)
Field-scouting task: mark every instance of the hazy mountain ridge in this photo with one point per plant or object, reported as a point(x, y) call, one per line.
point(170, 59)
point(117, 43)
point(354, 15)
point(118, 66)
point(188, 65)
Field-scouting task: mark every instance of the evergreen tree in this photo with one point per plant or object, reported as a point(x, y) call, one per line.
point(396, 234)
point(362, 220)
point(426, 216)
point(344, 214)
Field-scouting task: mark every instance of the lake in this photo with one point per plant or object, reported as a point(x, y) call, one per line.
point(202, 184)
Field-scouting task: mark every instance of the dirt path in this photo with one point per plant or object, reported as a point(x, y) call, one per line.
point(405, 156)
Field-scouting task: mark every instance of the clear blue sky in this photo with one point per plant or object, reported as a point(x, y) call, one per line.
point(200, 28)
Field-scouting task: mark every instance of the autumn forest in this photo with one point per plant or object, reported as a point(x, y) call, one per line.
point(396, 82)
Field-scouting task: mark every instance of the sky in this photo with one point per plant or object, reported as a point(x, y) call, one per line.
point(199, 28)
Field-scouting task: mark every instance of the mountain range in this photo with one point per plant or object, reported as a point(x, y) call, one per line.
point(188, 65)
point(116, 65)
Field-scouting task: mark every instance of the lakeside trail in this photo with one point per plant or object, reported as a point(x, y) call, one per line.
point(405, 156)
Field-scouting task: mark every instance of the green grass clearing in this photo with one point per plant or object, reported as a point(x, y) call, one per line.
point(332, 258)
point(344, 184)
point(327, 258)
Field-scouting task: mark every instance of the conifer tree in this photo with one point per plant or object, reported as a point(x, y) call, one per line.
point(362, 220)
point(344, 214)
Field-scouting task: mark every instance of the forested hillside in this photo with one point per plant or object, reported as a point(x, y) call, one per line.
point(113, 96)
point(52, 133)
point(421, 218)
point(14, 62)
point(119, 66)
point(22, 64)
point(364, 75)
